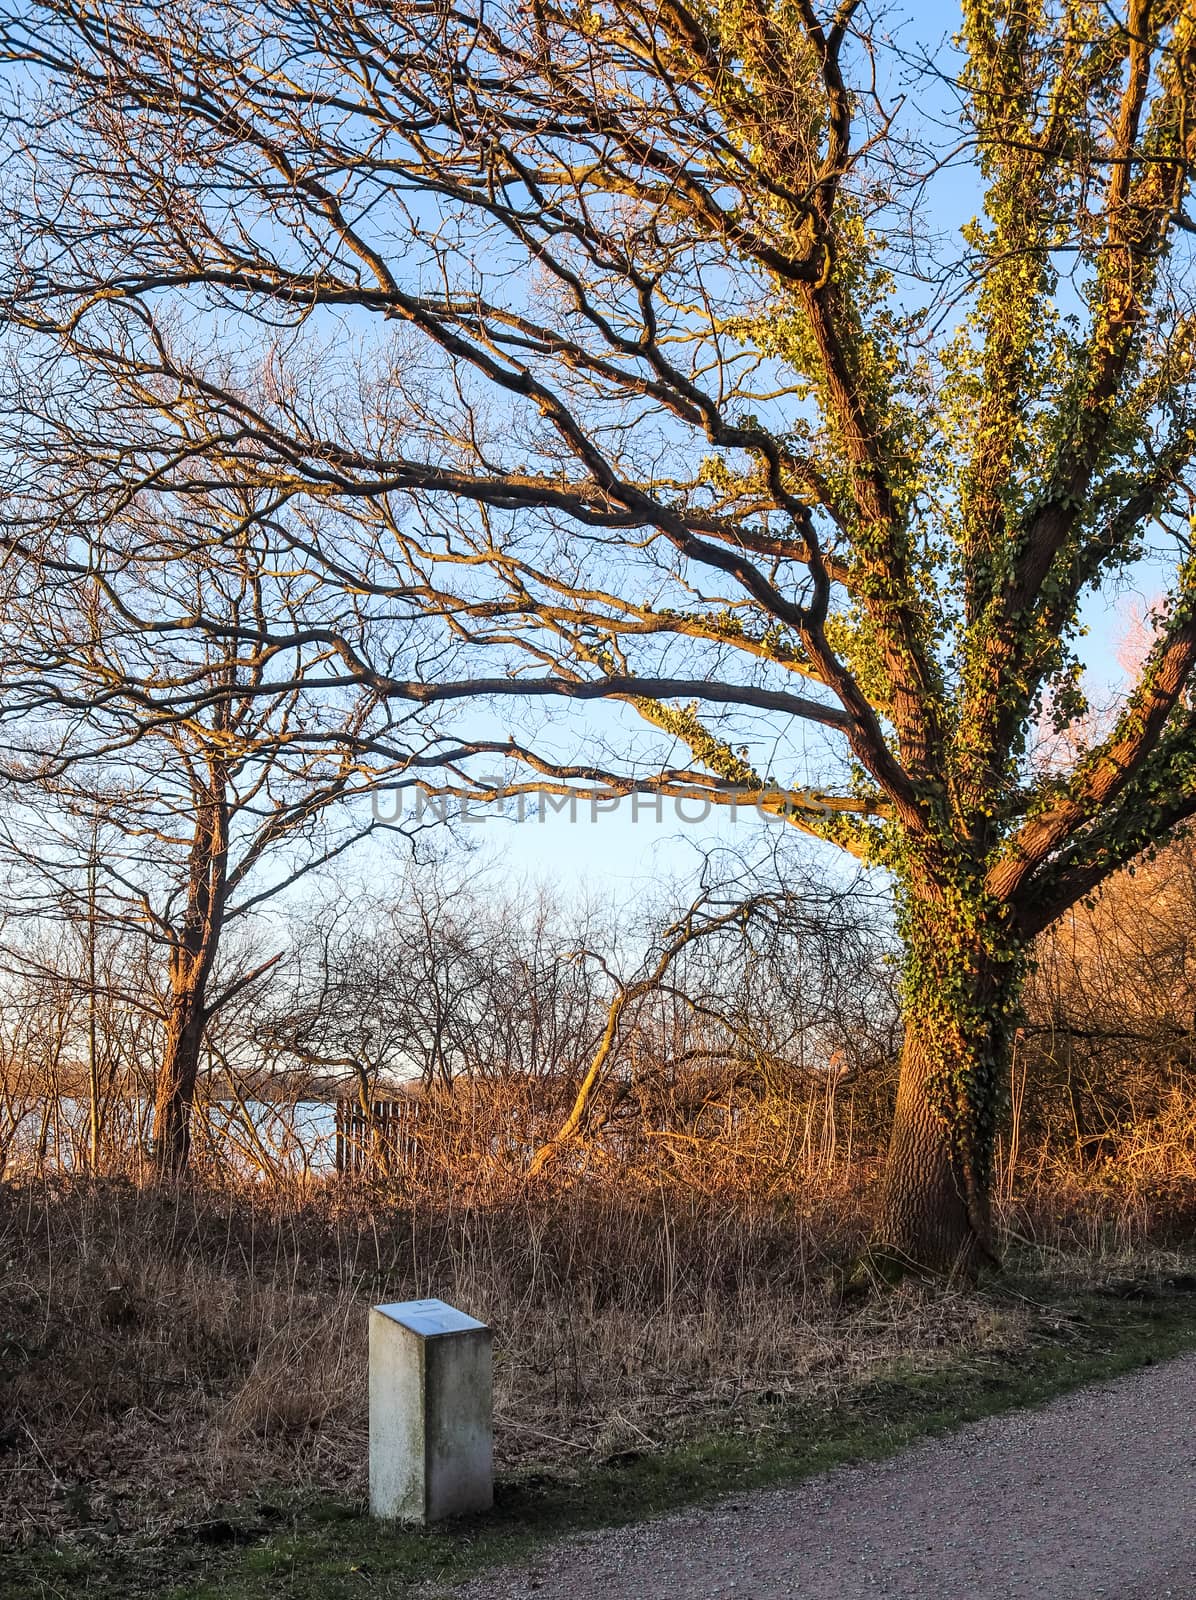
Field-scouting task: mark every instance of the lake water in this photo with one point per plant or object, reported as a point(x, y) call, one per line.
point(292, 1139)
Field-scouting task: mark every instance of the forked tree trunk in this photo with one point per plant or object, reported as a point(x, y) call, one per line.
point(178, 1074)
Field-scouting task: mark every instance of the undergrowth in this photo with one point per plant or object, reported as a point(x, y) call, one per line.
point(165, 1352)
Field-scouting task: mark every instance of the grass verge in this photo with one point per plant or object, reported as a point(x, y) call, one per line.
point(323, 1550)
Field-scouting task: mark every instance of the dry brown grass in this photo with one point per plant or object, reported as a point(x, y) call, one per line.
point(165, 1351)
point(161, 1351)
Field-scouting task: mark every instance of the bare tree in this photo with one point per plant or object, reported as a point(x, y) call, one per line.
point(174, 827)
point(708, 966)
point(80, 1032)
point(436, 979)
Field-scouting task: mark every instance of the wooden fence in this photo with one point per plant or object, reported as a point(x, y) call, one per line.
point(383, 1138)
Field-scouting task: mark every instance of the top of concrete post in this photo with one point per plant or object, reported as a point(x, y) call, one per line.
point(429, 1318)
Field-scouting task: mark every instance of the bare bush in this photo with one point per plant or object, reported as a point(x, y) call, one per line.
point(1111, 1015)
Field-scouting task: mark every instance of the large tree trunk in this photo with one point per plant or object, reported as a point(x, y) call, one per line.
point(963, 974)
point(174, 1094)
point(925, 1218)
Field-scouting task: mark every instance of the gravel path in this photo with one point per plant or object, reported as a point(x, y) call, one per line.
point(1092, 1496)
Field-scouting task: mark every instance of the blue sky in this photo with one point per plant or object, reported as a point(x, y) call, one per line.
point(624, 851)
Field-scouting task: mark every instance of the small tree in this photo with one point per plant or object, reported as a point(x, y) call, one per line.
point(170, 822)
point(690, 393)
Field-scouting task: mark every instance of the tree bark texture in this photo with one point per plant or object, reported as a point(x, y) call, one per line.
point(174, 1097)
point(192, 955)
point(925, 1220)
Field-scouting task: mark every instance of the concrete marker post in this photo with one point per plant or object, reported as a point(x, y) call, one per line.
point(431, 1412)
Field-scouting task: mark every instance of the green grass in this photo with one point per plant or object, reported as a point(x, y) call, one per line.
point(329, 1551)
